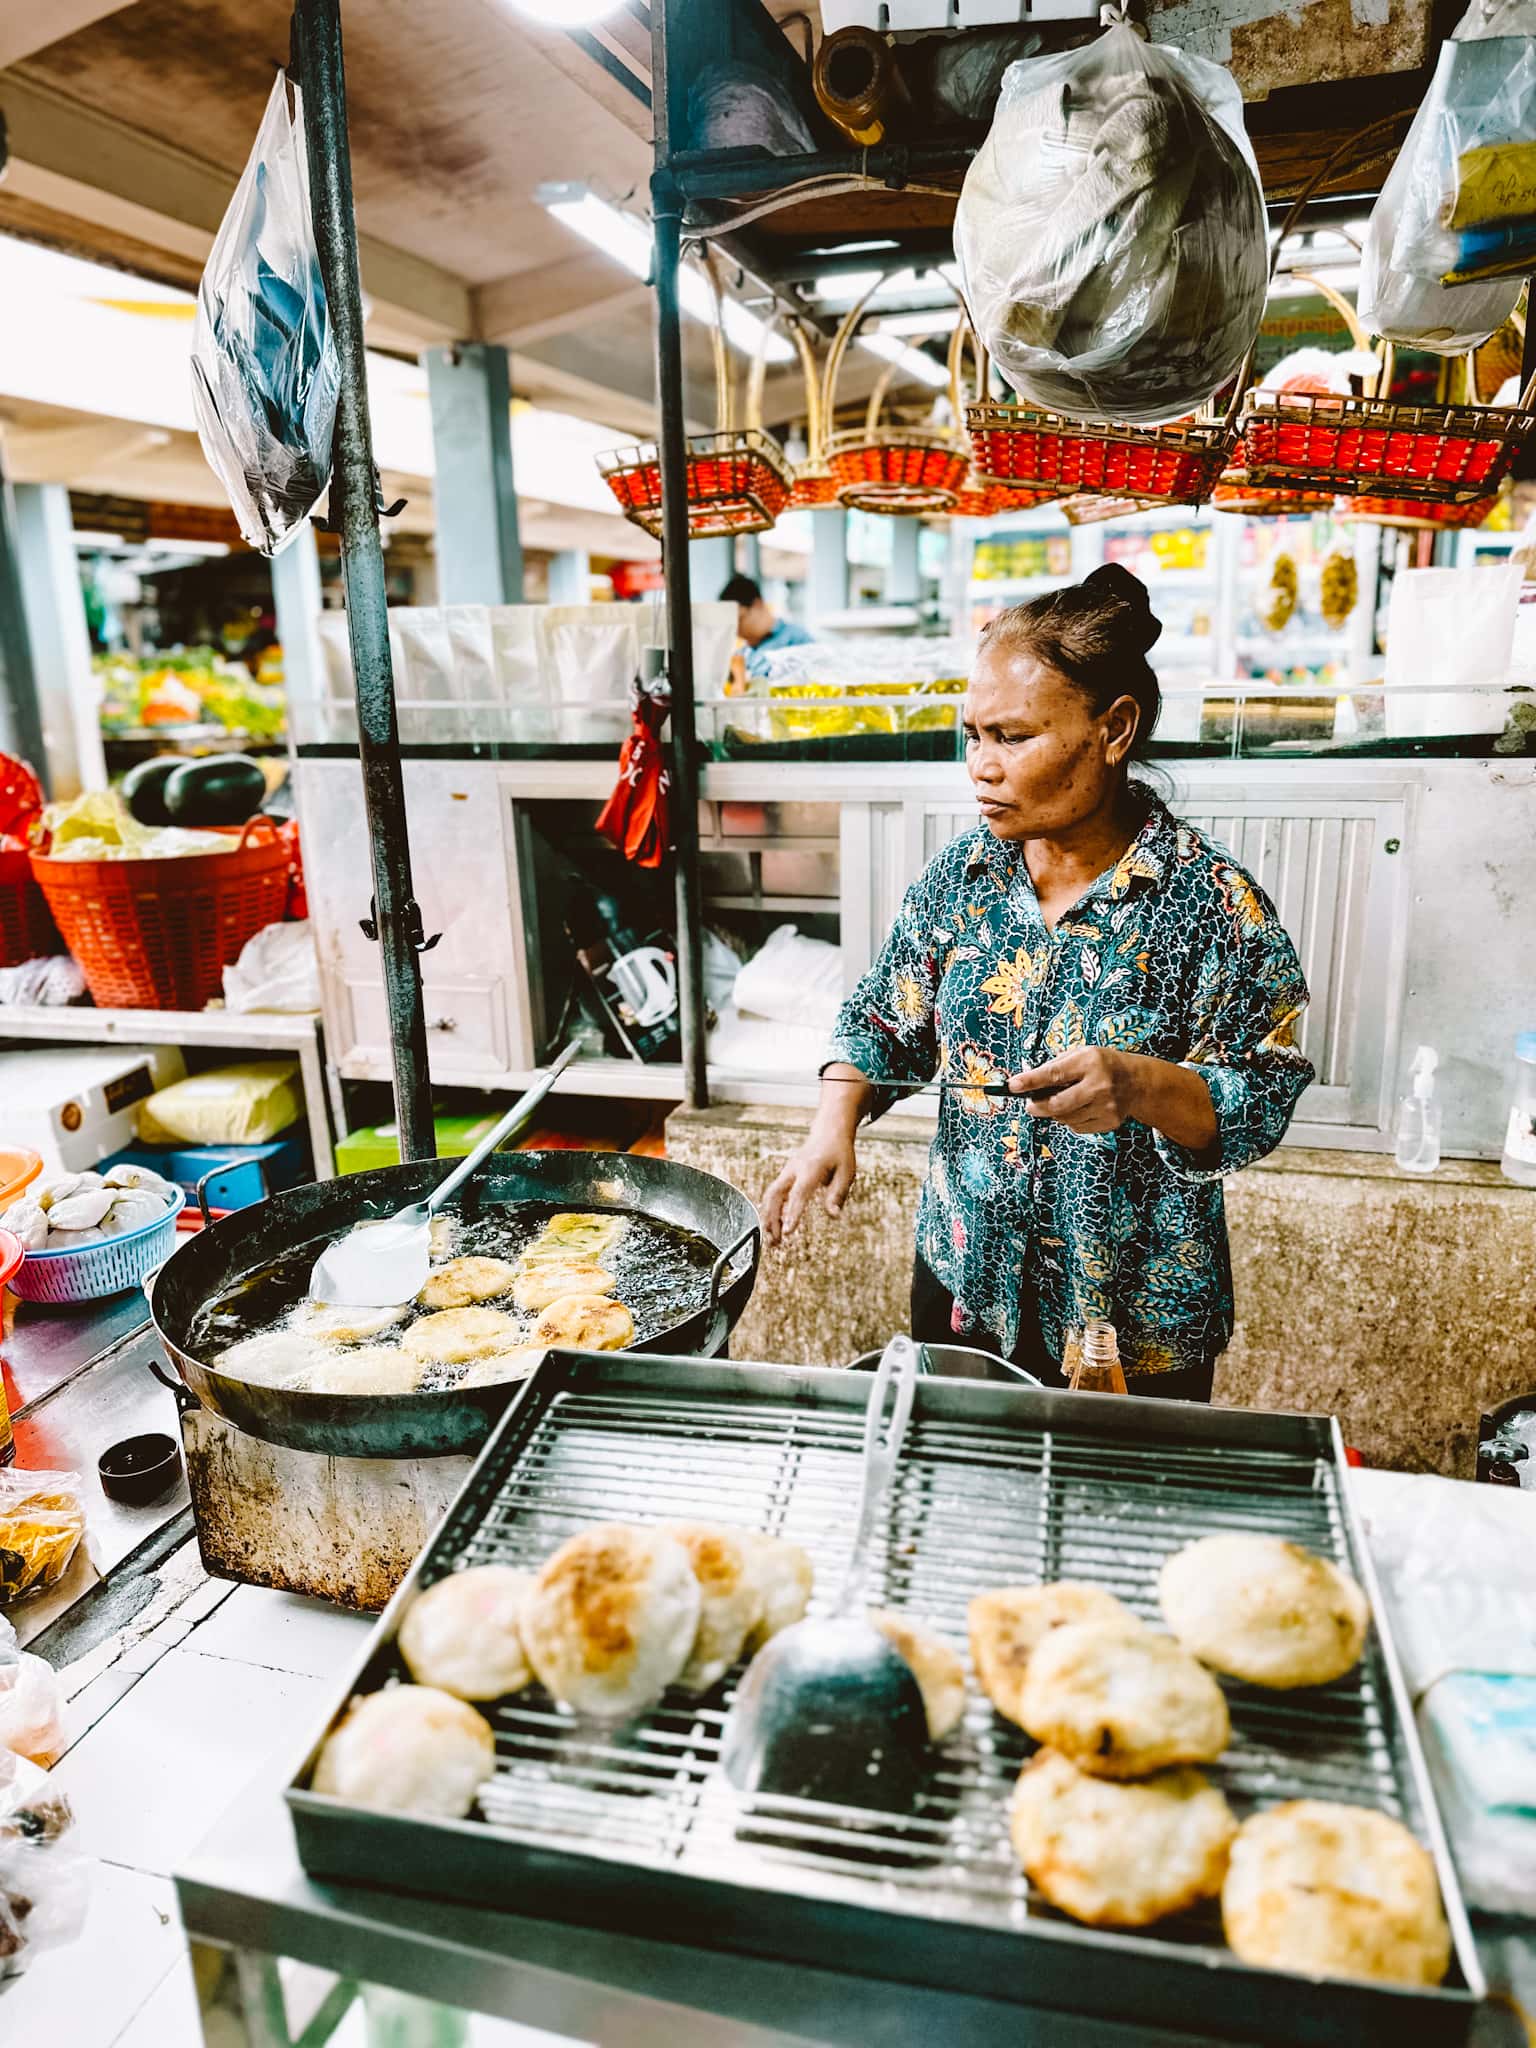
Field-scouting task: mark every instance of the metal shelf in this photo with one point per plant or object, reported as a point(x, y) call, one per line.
point(825, 906)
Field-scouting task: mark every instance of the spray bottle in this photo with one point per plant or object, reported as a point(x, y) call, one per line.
point(1418, 1116)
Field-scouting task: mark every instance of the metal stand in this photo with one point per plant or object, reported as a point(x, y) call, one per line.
point(672, 445)
point(396, 919)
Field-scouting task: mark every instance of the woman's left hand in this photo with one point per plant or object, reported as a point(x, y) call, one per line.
point(1092, 1089)
point(1089, 1089)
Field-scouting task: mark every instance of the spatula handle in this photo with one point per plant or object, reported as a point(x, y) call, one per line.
point(519, 1113)
point(885, 1431)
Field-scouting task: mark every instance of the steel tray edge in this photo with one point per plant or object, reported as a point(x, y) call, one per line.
point(443, 1857)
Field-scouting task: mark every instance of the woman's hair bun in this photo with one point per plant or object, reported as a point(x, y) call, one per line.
point(1135, 618)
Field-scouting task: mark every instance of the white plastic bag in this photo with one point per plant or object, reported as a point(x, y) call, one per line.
point(43, 1876)
point(278, 970)
point(1111, 231)
point(1460, 203)
point(264, 370)
point(792, 980)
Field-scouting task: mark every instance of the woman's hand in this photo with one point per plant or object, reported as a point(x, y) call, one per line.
point(825, 1163)
point(1093, 1089)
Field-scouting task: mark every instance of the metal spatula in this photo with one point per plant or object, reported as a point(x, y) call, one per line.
point(385, 1263)
point(827, 1709)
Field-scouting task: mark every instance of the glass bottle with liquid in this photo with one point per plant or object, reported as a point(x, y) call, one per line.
point(1092, 1361)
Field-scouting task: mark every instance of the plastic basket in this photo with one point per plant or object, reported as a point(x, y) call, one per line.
point(1175, 465)
point(27, 932)
point(1415, 515)
point(1451, 454)
point(737, 482)
point(86, 1272)
point(158, 934)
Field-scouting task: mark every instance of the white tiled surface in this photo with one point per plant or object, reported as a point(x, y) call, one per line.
point(165, 1738)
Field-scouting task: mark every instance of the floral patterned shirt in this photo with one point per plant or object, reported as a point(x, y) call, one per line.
point(1175, 953)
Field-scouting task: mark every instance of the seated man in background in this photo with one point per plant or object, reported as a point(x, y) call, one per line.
point(759, 626)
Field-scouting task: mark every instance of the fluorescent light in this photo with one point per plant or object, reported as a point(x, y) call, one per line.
point(940, 320)
point(914, 363)
point(567, 13)
point(627, 239)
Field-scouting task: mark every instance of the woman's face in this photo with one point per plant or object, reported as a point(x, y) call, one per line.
point(1040, 758)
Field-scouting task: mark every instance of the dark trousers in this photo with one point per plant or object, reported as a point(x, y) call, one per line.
point(933, 1323)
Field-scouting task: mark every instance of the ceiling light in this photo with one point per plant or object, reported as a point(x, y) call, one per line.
point(626, 237)
point(938, 320)
point(566, 13)
point(914, 363)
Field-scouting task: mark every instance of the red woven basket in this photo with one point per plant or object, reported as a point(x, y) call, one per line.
point(1416, 515)
point(27, 932)
point(1448, 453)
point(737, 482)
point(1236, 494)
point(158, 934)
point(1174, 465)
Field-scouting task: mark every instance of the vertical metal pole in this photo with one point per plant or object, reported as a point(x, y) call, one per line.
point(673, 448)
point(354, 506)
point(21, 718)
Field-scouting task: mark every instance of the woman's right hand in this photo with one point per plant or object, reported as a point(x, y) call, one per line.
point(825, 1163)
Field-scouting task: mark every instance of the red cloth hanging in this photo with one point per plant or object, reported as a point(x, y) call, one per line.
point(635, 816)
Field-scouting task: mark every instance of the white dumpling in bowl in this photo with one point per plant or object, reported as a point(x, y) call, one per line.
point(67, 1186)
point(134, 1211)
point(28, 1221)
point(411, 1749)
point(71, 1240)
point(140, 1177)
point(80, 1212)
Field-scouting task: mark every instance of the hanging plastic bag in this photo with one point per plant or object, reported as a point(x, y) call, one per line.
point(44, 1886)
point(264, 369)
point(1453, 235)
point(1111, 231)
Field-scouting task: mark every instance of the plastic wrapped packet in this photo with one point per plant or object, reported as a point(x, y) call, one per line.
point(43, 1875)
point(1453, 234)
point(1111, 231)
point(264, 369)
point(247, 1103)
point(41, 1522)
point(278, 970)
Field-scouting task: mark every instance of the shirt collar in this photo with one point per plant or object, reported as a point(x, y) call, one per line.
point(1145, 860)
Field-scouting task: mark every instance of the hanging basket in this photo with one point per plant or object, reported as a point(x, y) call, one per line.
point(876, 468)
point(1086, 509)
point(1415, 515)
point(1173, 465)
point(736, 480)
point(1237, 493)
point(983, 498)
point(813, 485)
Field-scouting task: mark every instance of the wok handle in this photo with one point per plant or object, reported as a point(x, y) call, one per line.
point(518, 1114)
point(753, 1235)
point(184, 1397)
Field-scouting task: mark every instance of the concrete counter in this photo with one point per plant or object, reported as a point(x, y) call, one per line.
point(1405, 1307)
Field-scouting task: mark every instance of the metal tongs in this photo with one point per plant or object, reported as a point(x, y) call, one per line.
point(827, 1709)
point(385, 1263)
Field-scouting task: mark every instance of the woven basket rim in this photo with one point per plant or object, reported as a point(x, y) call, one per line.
point(1192, 437)
point(1324, 408)
point(851, 439)
point(751, 441)
point(1354, 482)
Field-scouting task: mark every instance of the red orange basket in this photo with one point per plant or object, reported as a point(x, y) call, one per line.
point(158, 934)
point(892, 469)
point(27, 932)
point(1416, 515)
point(1173, 465)
point(1236, 493)
point(737, 482)
point(1448, 454)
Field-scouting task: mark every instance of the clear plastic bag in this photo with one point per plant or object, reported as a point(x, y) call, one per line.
point(43, 1875)
point(1111, 231)
point(1453, 234)
point(42, 1520)
point(264, 369)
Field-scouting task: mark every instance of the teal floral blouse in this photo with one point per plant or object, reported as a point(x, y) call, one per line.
point(1175, 953)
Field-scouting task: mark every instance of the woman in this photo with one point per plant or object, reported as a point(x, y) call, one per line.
point(1109, 1003)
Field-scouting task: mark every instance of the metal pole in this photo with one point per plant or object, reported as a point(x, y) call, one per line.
point(396, 920)
point(673, 449)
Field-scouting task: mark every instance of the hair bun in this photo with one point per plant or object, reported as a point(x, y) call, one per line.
point(1139, 622)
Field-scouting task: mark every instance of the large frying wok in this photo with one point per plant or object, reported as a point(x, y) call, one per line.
point(451, 1421)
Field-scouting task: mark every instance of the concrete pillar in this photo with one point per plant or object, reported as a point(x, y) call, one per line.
point(903, 582)
point(749, 555)
point(827, 582)
point(21, 722)
point(61, 647)
point(296, 601)
point(479, 554)
point(570, 574)
point(711, 565)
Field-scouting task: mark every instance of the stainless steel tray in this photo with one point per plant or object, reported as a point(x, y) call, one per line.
point(637, 1831)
